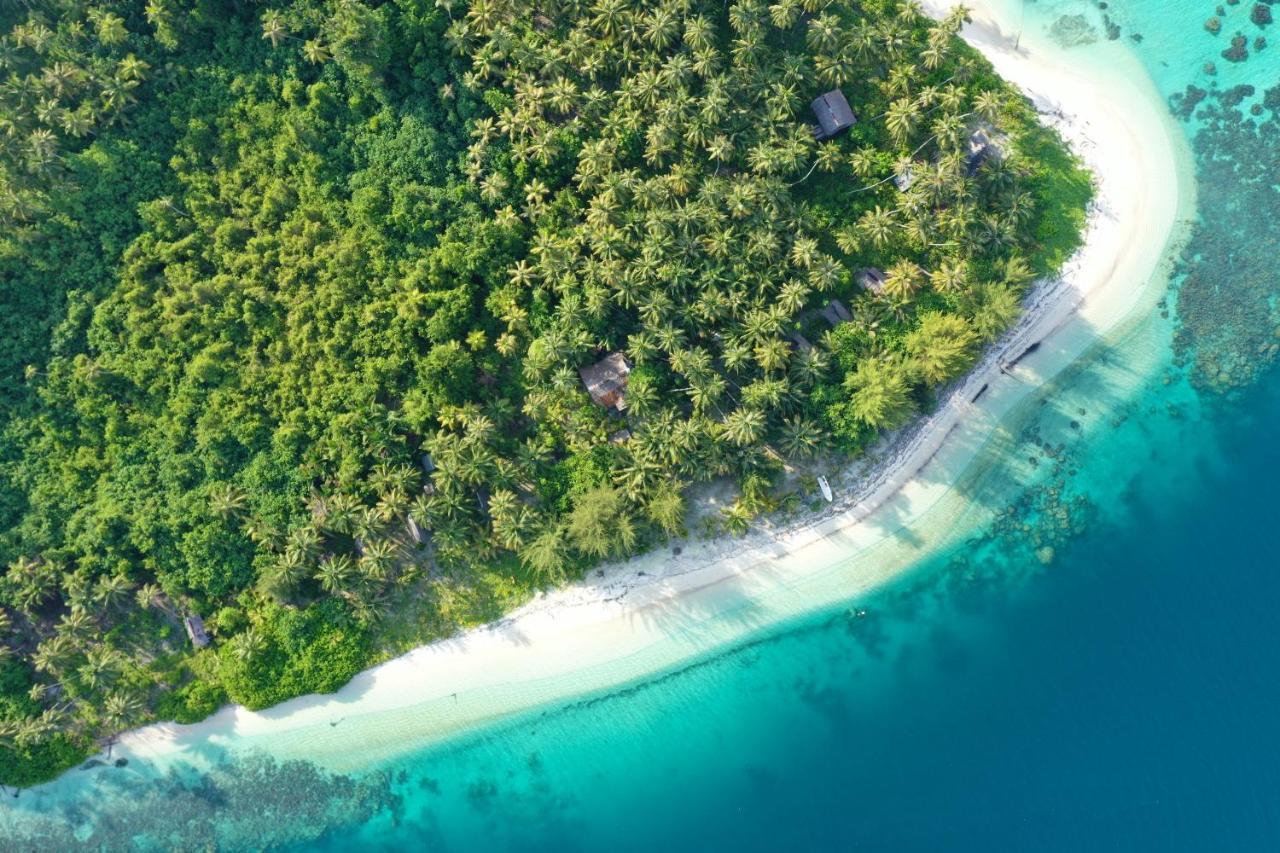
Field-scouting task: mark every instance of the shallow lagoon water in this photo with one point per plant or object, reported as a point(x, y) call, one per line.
point(1097, 669)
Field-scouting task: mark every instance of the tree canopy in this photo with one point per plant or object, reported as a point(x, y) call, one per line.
point(295, 296)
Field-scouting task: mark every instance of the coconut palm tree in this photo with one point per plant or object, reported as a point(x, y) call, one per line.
point(335, 573)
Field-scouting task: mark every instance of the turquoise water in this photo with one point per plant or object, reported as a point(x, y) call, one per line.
point(1097, 670)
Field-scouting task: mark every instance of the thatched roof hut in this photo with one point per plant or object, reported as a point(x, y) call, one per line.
point(195, 631)
point(870, 279)
point(833, 113)
point(985, 143)
point(606, 380)
point(836, 313)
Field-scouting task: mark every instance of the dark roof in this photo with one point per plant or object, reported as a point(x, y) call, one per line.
point(985, 143)
point(871, 279)
point(606, 380)
point(833, 114)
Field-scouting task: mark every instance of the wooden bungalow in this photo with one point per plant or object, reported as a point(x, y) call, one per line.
point(195, 631)
point(622, 436)
point(606, 380)
point(833, 113)
point(871, 279)
point(801, 342)
point(836, 313)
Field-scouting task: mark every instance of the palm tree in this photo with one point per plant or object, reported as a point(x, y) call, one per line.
point(226, 500)
point(273, 27)
point(304, 542)
point(101, 666)
point(120, 708)
point(379, 556)
point(248, 644)
point(901, 119)
point(335, 573)
point(988, 104)
point(315, 51)
point(951, 276)
point(801, 437)
point(902, 280)
point(112, 590)
point(880, 394)
point(742, 427)
point(878, 225)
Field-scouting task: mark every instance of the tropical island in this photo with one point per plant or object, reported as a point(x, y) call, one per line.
point(333, 327)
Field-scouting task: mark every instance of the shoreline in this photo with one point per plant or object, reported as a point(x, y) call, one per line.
point(650, 612)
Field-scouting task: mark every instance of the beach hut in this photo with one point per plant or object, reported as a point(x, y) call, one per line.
point(985, 143)
point(428, 464)
point(195, 631)
point(622, 436)
point(606, 380)
point(801, 342)
point(836, 313)
point(415, 532)
point(871, 279)
point(904, 178)
point(833, 113)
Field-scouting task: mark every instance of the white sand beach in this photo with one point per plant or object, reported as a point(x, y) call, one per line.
point(652, 612)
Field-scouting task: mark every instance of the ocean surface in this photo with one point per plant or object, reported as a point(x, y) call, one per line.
point(1097, 669)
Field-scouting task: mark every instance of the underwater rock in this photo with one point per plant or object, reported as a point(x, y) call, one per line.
point(1239, 50)
point(1235, 95)
point(1185, 103)
point(1213, 25)
point(1073, 31)
point(1261, 14)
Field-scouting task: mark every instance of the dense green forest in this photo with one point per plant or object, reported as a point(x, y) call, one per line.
point(295, 295)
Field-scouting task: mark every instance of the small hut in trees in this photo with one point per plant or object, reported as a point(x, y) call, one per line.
point(801, 342)
point(871, 279)
point(904, 178)
point(606, 380)
point(985, 143)
point(836, 313)
point(195, 631)
point(415, 532)
point(833, 113)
